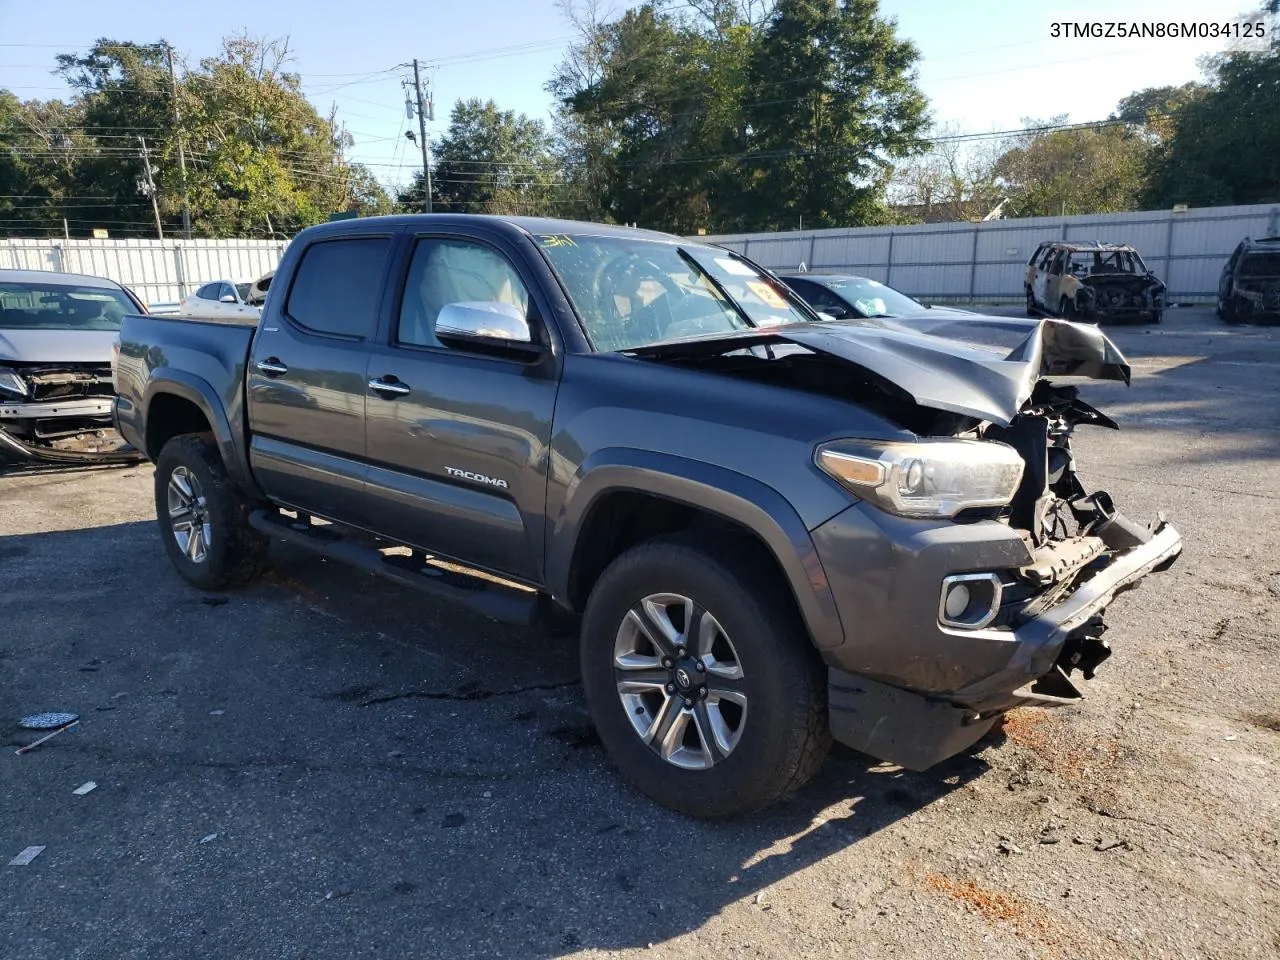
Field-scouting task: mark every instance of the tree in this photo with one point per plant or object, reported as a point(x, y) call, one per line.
point(490, 161)
point(39, 144)
point(1222, 147)
point(737, 115)
point(835, 103)
point(1095, 169)
point(954, 180)
point(260, 159)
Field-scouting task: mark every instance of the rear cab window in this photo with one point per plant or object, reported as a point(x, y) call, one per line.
point(338, 285)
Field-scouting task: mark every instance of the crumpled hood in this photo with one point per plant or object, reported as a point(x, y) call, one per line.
point(977, 366)
point(56, 346)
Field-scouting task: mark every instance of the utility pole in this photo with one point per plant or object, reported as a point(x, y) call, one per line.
point(148, 185)
point(182, 156)
point(422, 134)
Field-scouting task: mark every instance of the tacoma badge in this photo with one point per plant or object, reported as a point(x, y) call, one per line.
point(477, 477)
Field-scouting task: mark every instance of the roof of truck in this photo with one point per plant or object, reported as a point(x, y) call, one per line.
point(529, 225)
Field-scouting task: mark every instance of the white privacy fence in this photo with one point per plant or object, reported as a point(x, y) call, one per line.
point(988, 261)
point(158, 271)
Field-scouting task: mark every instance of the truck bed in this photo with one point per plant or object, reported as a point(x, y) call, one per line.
point(209, 356)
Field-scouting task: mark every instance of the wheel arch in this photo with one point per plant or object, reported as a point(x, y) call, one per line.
point(622, 497)
point(178, 402)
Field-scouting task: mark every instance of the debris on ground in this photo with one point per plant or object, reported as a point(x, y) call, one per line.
point(26, 856)
point(57, 722)
point(209, 838)
point(84, 788)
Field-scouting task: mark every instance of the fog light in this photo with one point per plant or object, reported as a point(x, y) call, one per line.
point(957, 601)
point(969, 601)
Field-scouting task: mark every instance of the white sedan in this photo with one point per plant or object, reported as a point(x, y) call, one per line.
point(220, 300)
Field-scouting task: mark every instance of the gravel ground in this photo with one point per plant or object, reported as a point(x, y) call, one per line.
point(325, 765)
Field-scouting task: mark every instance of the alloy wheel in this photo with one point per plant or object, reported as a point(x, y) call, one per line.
point(188, 515)
point(680, 681)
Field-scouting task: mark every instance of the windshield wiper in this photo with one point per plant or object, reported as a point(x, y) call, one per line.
point(719, 287)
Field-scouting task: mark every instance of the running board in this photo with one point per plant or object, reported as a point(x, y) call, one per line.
point(509, 605)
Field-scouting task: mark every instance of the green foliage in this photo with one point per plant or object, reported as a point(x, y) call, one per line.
point(1096, 169)
point(736, 118)
point(260, 160)
point(1223, 144)
point(489, 161)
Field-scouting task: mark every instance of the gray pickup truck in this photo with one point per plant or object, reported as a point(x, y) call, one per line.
point(771, 528)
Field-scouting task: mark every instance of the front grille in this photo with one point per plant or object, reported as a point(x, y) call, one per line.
point(67, 381)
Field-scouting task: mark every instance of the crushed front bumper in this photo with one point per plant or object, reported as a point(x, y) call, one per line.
point(62, 431)
point(919, 725)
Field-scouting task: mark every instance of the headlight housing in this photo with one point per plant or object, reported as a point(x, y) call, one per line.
point(925, 478)
point(11, 383)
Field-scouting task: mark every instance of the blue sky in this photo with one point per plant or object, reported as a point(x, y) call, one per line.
point(986, 64)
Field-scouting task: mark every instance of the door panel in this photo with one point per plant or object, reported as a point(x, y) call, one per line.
point(459, 460)
point(305, 383)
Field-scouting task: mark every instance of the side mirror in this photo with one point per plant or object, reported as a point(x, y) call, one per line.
point(226, 298)
point(483, 320)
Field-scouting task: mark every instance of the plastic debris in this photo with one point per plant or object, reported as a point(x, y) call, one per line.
point(216, 713)
point(57, 722)
point(26, 856)
point(47, 721)
point(209, 838)
point(1229, 737)
point(84, 788)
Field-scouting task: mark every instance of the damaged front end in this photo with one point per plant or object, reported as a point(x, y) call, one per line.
point(1075, 538)
point(953, 617)
point(59, 412)
point(1119, 297)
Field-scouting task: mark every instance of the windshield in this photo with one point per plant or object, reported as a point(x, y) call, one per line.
point(1086, 262)
point(631, 292)
point(1260, 265)
point(873, 299)
point(34, 306)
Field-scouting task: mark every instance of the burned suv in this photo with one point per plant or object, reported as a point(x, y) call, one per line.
point(1249, 288)
point(1092, 281)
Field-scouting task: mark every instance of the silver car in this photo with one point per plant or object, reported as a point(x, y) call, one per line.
point(57, 336)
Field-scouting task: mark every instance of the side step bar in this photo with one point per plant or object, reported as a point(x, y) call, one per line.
point(523, 608)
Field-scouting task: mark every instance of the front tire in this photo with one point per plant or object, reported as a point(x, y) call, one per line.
point(204, 516)
point(1031, 303)
point(701, 679)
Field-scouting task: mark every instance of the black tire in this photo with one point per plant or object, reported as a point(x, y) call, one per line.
point(1067, 309)
point(235, 553)
point(783, 734)
point(1229, 314)
point(1031, 303)
point(1157, 316)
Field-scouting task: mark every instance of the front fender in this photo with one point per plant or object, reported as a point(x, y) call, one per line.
point(188, 386)
point(733, 496)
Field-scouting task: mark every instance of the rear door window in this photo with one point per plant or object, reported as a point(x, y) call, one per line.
point(338, 286)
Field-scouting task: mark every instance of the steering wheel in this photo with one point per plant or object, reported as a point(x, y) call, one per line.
point(623, 276)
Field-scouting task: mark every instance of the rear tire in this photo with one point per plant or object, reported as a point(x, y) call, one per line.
point(741, 615)
point(204, 516)
point(1067, 309)
point(1031, 303)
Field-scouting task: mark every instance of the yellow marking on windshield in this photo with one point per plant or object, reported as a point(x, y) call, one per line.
point(556, 240)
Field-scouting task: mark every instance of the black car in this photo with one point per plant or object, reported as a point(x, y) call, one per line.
point(844, 296)
point(1249, 288)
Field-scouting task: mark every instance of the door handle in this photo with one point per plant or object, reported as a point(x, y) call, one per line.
point(388, 385)
point(272, 367)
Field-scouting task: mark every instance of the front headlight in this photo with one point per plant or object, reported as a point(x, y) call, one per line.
point(10, 382)
point(927, 478)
